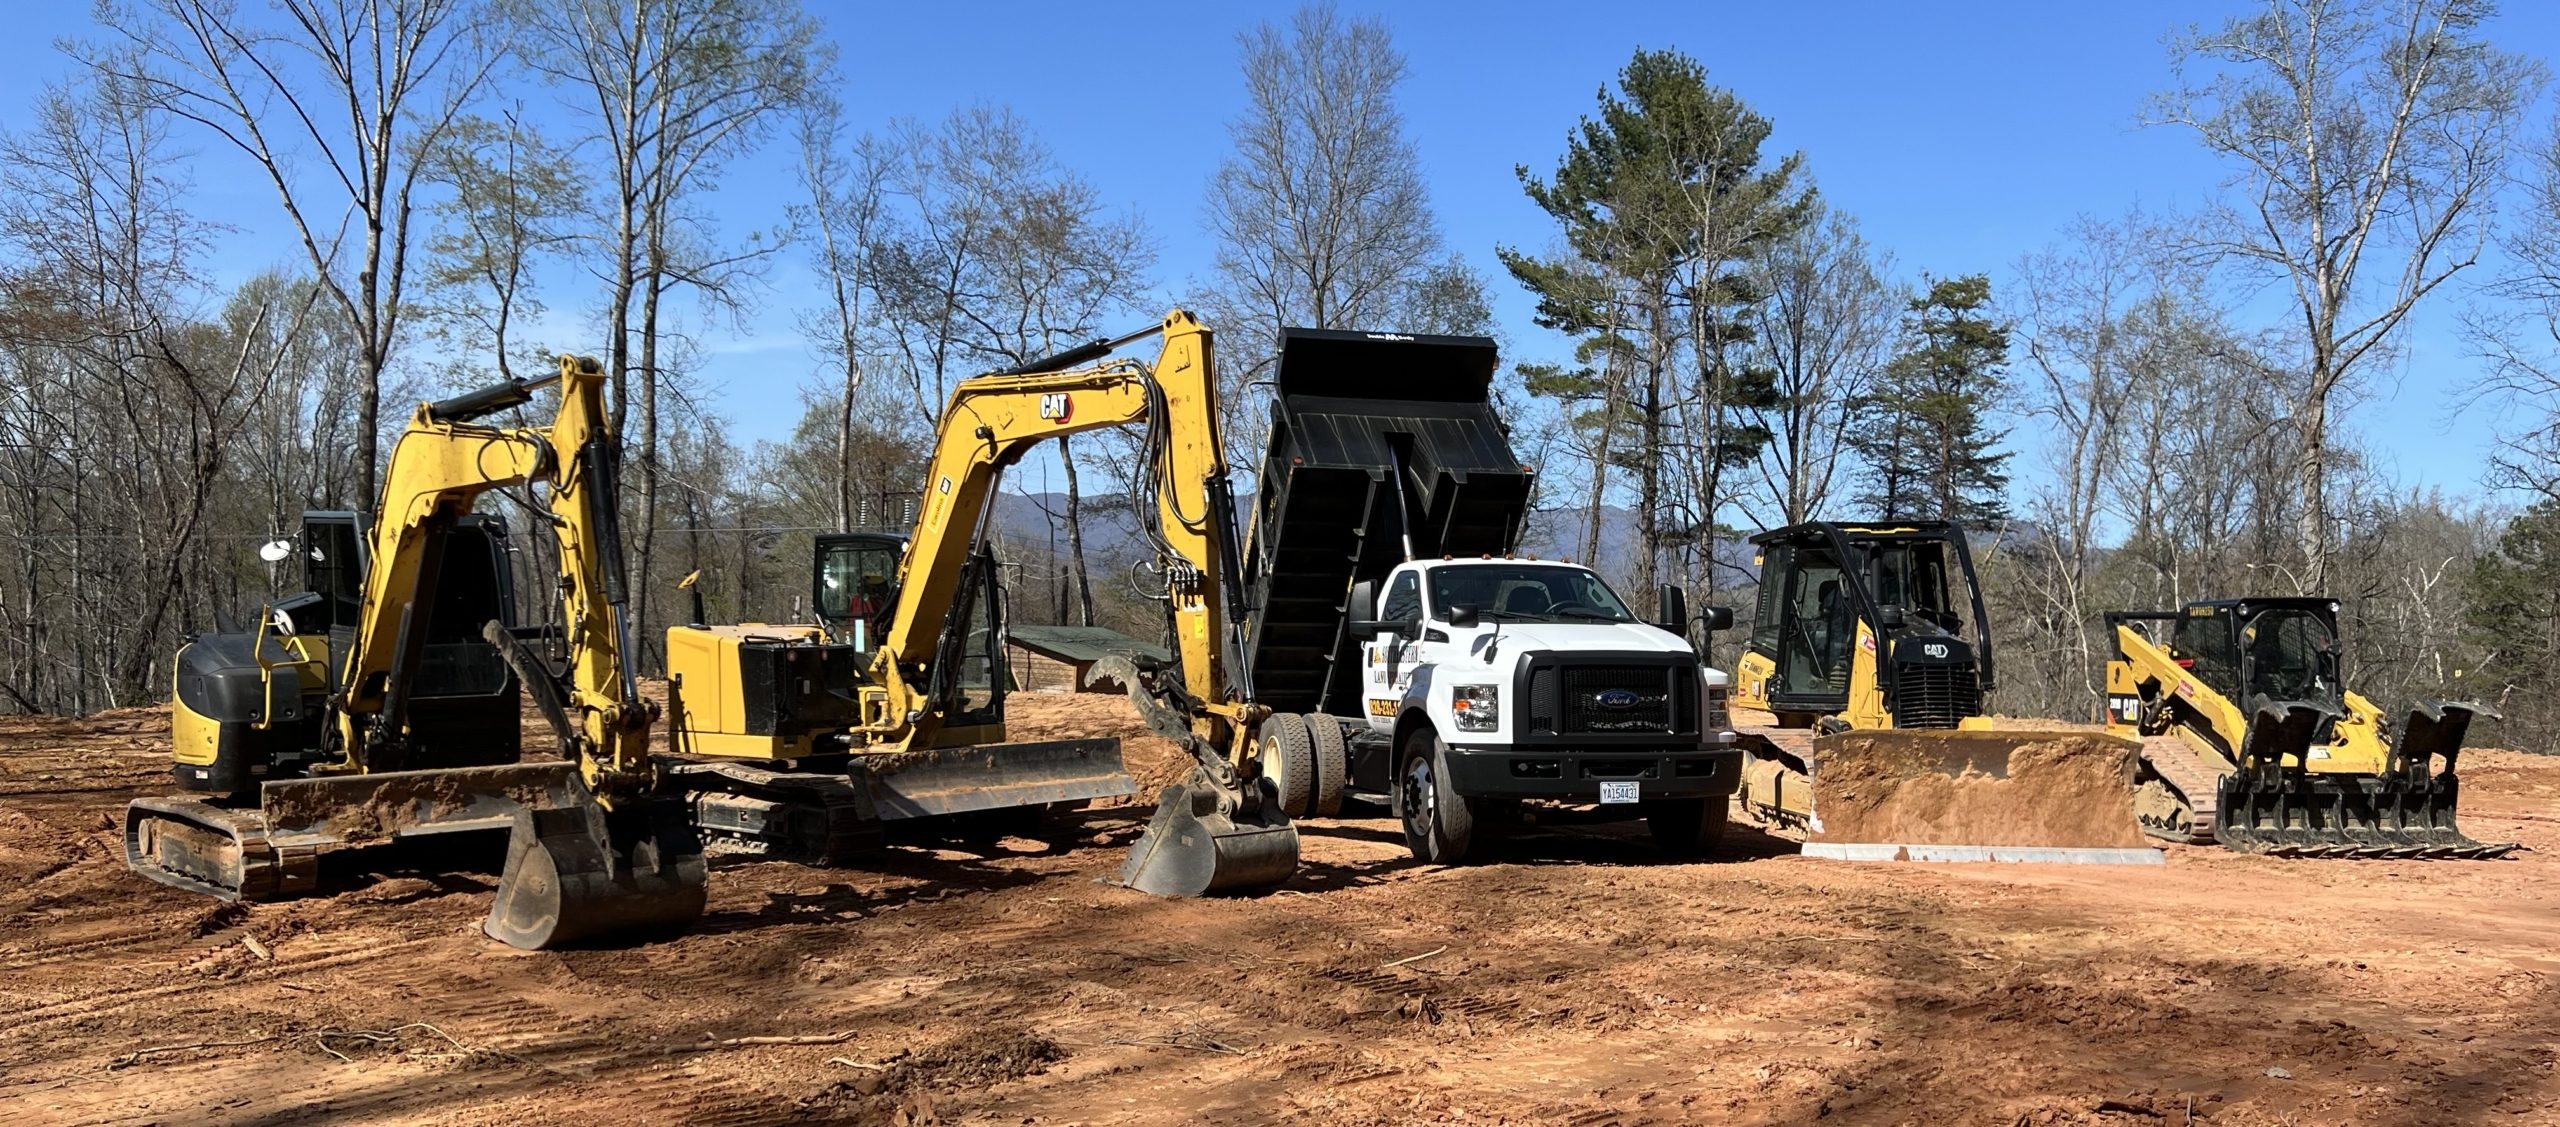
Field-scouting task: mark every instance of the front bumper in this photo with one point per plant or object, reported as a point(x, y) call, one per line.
point(1575, 775)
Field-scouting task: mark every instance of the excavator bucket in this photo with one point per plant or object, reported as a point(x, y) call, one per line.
point(1206, 839)
point(2274, 805)
point(1997, 794)
point(579, 872)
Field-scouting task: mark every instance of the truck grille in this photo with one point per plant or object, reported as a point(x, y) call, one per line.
point(1935, 696)
point(1613, 699)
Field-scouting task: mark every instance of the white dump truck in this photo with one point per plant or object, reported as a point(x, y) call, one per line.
point(1414, 658)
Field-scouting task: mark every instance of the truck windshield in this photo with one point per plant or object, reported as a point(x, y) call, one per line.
point(1517, 592)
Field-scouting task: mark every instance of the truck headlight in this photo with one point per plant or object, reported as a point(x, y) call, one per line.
point(1477, 707)
point(1719, 716)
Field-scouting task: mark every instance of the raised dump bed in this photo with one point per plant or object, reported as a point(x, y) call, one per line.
point(1354, 410)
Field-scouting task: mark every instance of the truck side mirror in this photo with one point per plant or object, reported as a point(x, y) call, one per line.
point(1363, 608)
point(1463, 617)
point(1718, 618)
point(1674, 603)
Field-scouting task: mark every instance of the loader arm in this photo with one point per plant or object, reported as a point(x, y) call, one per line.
point(440, 467)
point(2148, 664)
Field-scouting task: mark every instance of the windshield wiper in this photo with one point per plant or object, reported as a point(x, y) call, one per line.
point(1592, 616)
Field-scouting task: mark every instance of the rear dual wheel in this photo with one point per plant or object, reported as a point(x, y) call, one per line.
point(1307, 761)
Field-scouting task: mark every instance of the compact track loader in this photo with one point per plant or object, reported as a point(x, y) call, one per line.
point(383, 704)
point(2250, 738)
point(1869, 643)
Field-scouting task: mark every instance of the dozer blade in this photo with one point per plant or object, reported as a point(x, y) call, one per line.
point(578, 872)
point(962, 780)
point(2034, 794)
point(1205, 839)
point(271, 851)
point(2276, 807)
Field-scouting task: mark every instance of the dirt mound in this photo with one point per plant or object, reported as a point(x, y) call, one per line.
point(1152, 760)
point(2059, 787)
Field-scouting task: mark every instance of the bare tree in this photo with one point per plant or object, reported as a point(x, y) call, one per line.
point(2356, 128)
point(1825, 326)
point(1321, 215)
point(338, 103)
point(513, 204)
point(845, 180)
point(671, 90)
point(2521, 337)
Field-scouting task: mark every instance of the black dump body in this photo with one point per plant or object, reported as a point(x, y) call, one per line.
point(1351, 407)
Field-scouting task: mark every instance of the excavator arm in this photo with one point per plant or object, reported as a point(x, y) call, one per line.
point(1221, 828)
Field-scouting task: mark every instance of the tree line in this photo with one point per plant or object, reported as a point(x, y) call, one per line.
point(2151, 408)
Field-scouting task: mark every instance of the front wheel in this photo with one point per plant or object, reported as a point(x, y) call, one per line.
point(1686, 827)
point(1439, 824)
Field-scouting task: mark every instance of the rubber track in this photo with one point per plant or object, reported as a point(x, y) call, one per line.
point(2194, 779)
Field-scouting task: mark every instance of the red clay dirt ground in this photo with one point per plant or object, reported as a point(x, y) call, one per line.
point(1575, 979)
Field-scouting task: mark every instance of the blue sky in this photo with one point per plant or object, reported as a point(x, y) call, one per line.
point(1961, 136)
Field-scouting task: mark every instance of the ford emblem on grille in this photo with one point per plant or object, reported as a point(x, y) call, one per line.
point(1616, 698)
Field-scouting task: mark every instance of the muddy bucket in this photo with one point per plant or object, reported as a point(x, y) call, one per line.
point(580, 872)
point(1201, 841)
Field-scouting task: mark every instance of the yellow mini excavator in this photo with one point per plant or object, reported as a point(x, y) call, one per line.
point(1874, 631)
point(383, 703)
point(2250, 738)
point(802, 740)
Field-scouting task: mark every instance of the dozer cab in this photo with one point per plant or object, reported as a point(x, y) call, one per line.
point(801, 740)
point(383, 703)
point(2250, 737)
point(1869, 639)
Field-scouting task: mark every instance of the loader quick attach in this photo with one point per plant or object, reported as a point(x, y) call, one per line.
point(2307, 768)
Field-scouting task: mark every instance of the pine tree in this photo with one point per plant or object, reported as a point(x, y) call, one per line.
point(2512, 610)
point(1927, 451)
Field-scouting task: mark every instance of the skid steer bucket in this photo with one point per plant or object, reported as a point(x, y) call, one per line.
point(1982, 793)
point(2274, 805)
point(1207, 839)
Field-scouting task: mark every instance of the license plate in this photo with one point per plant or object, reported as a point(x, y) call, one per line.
point(1613, 793)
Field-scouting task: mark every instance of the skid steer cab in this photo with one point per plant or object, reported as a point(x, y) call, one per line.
point(1492, 681)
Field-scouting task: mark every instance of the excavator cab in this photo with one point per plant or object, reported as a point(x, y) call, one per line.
point(853, 586)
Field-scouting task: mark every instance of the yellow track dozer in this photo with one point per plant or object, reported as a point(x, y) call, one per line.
point(1860, 704)
point(2306, 768)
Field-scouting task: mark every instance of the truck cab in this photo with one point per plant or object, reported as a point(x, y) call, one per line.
point(1494, 680)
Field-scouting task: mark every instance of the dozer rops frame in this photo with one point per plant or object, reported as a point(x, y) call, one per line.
point(2251, 739)
point(1877, 630)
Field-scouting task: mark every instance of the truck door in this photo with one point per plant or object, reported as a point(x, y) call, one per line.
point(1387, 654)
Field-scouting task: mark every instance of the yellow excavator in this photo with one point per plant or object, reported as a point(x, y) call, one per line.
point(1872, 635)
point(803, 740)
point(2303, 768)
point(383, 703)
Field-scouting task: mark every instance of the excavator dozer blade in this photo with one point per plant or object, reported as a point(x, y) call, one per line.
point(1204, 840)
point(1976, 793)
point(271, 851)
point(964, 780)
point(579, 872)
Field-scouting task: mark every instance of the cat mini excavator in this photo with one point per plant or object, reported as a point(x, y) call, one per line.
point(802, 740)
point(1875, 630)
point(317, 727)
point(2250, 738)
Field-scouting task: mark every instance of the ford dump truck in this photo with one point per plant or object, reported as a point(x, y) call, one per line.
point(1412, 656)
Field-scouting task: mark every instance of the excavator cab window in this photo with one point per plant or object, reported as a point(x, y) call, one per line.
point(856, 582)
point(2292, 655)
point(473, 587)
point(333, 568)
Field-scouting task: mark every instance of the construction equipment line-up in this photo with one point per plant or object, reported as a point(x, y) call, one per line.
point(1328, 655)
